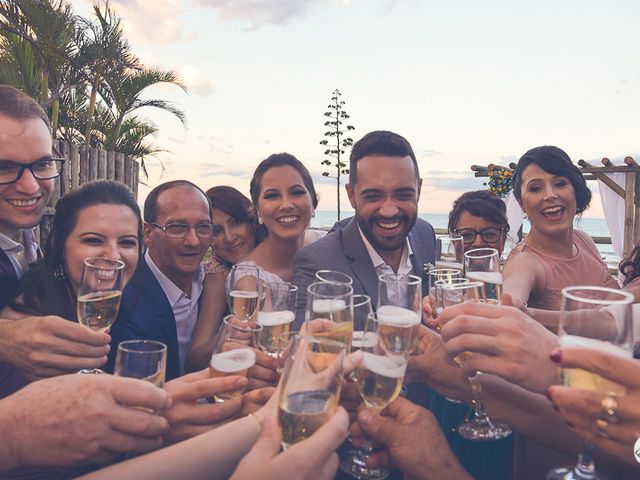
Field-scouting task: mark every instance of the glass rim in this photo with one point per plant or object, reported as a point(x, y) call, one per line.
point(460, 286)
point(312, 286)
point(627, 297)
point(298, 337)
point(326, 270)
point(117, 264)
point(124, 346)
point(489, 252)
point(281, 285)
point(440, 271)
point(457, 280)
point(247, 328)
point(366, 299)
point(374, 316)
point(414, 279)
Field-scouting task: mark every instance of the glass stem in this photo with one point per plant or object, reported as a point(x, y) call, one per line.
point(478, 407)
point(585, 468)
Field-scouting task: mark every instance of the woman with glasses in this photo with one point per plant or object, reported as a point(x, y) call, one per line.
point(480, 218)
point(551, 191)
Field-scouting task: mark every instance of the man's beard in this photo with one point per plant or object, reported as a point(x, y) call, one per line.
point(386, 243)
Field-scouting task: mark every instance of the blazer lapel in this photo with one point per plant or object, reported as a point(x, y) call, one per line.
point(361, 265)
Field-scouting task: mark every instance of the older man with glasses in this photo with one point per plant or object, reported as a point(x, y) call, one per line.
point(161, 301)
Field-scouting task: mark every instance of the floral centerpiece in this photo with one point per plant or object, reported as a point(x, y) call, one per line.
point(500, 181)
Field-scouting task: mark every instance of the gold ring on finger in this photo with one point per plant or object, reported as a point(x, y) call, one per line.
point(609, 408)
point(601, 428)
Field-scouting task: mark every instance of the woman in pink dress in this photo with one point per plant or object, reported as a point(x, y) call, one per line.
point(551, 191)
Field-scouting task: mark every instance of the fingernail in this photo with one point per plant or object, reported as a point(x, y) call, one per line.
point(556, 356)
point(241, 382)
point(365, 416)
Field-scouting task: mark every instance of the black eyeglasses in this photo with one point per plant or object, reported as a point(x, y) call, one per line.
point(180, 230)
point(489, 234)
point(43, 169)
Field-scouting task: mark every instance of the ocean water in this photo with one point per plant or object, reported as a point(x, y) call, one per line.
point(596, 227)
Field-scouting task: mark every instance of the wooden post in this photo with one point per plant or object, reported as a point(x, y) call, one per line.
point(136, 178)
point(127, 171)
point(111, 165)
point(636, 211)
point(120, 167)
point(102, 164)
point(84, 165)
point(629, 200)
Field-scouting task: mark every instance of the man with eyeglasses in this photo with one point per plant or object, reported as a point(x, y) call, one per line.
point(161, 300)
point(36, 346)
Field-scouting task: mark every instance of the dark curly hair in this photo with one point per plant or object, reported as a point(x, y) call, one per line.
point(479, 203)
point(555, 161)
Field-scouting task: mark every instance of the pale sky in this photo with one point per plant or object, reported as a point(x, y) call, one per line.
point(466, 82)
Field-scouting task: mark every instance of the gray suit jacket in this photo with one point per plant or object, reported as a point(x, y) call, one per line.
point(343, 250)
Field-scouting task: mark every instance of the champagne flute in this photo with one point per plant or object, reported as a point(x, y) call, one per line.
point(244, 290)
point(310, 386)
point(399, 310)
point(483, 265)
point(330, 311)
point(438, 286)
point(99, 295)
point(449, 252)
point(480, 426)
point(333, 276)
point(276, 315)
point(435, 274)
point(361, 310)
point(598, 318)
point(233, 353)
point(379, 378)
point(143, 359)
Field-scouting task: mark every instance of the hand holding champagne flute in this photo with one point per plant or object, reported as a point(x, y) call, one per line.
point(480, 427)
point(234, 352)
point(379, 378)
point(98, 296)
point(330, 311)
point(597, 318)
point(310, 388)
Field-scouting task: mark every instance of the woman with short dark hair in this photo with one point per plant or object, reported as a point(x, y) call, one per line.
point(551, 191)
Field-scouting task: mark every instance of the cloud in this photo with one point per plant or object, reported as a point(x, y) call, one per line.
point(265, 12)
point(196, 81)
point(155, 22)
point(452, 181)
point(213, 169)
point(430, 153)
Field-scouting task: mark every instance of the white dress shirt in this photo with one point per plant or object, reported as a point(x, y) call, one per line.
point(21, 253)
point(185, 307)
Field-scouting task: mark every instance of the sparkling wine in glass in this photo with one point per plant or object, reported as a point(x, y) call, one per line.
point(99, 295)
point(483, 265)
point(379, 377)
point(310, 386)
point(234, 352)
point(244, 290)
point(142, 359)
point(276, 315)
point(598, 318)
point(330, 311)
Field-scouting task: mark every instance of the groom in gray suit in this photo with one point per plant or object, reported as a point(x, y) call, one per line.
point(385, 235)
